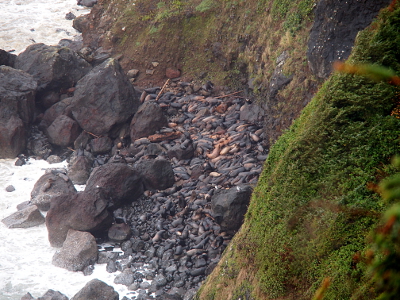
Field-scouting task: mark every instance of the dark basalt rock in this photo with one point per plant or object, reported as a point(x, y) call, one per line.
point(84, 211)
point(104, 99)
point(53, 295)
point(335, 27)
point(157, 173)
point(63, 131)
point(53, 67)
point(119, 183)
point(148, 119)
point(96, 290)
point(7, 58)
point(229, 207)
point(17, 100)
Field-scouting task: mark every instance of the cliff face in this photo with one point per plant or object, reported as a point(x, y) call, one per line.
point(317, 200)
point(311, 210)
point(265, 47)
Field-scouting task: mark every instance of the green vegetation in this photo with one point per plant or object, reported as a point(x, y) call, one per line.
point(318, 200)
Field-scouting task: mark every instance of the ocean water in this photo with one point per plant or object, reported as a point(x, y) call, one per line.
point(24, 22)
point(25, 253)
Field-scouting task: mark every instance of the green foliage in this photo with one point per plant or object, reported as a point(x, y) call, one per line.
point(384, 257)
point(205, 5)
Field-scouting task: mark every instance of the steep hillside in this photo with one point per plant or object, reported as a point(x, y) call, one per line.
point(263, 47)
point(316, 202)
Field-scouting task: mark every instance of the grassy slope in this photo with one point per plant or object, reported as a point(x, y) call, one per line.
point(311, 212)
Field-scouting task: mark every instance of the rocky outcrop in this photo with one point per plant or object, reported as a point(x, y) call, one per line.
point(17, 100)
point(96, 290)
point(53, 67)
point(79, 250)
point(29, 216)
point(230, 206)
point(335, 27)
point(104, 99)
point(85, 211)
point(50, 186)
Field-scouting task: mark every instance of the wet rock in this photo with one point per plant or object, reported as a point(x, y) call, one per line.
point(125, 278)
point(10, 188)
point(27, 296)
point(251, 113)
point(96, 290)
point(62, 107)
point(157, 173)
point(148, 119)
point(79, 167)
point(87, 3)
point(104, 98)
point(49, 186)
point(63, 131)
point(84, 211)
point(230, 206)
point(17, 100)
point(53, 295)
point(7, 58)
point(101, 145)
point(54, 159)
point(119, 183)
point(119, 232)
point(24, 218)
point(79, 250)
point(53, 67)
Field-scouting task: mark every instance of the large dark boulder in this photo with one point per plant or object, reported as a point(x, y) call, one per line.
point(230, 206)
point(335, 27)
point(53, 67)
point(51, 185)
point(104, 98)
point(84, 211)
point(63, 131)
point(96, 290)
point(157, 173)
point(148, 119)
point(119, 183)
point(17, 102)
point(79, 250)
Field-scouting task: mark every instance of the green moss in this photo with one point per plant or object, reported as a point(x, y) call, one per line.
point(311, 211)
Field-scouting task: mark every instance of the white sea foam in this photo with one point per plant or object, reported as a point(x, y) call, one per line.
point(24, 22)
point(25, 254)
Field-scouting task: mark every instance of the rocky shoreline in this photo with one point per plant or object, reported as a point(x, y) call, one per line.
point(168, 173)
